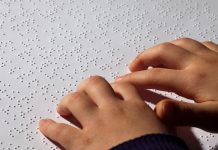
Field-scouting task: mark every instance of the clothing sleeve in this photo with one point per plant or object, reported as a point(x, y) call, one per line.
point(153, 142)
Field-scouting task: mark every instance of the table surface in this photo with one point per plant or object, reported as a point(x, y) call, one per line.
point(48, 46)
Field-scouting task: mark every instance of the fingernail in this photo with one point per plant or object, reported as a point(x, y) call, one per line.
point(128, 71)
point(119, 78)
point(150, 67)
point(44, 122)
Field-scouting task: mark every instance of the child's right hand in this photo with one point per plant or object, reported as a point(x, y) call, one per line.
point(190, 69)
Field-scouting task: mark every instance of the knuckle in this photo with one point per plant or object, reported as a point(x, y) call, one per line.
point(90, 82)
point(94, 79)
point(72, 99)
point(163, 47)
point(72, 96)
point(184, 40)
point(75, 95)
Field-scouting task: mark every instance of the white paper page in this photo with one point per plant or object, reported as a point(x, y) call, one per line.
point(48, 46)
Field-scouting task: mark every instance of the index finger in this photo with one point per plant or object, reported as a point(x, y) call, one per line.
point(161, 79)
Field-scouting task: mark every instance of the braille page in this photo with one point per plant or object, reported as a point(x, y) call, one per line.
point(48, 46)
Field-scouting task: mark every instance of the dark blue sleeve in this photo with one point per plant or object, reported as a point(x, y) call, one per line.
point(153, 142)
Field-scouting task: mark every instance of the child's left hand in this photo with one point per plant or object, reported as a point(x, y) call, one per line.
point(108, 115)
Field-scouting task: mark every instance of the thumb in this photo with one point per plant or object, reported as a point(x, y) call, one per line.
point(202, 115)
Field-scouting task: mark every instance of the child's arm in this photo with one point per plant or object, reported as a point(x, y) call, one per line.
point(188, 68)
point(108, 115)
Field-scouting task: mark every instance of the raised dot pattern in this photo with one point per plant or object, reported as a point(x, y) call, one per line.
point(48, 46)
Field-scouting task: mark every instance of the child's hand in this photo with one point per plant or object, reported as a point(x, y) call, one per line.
point(108, 115)
point(190, 69)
